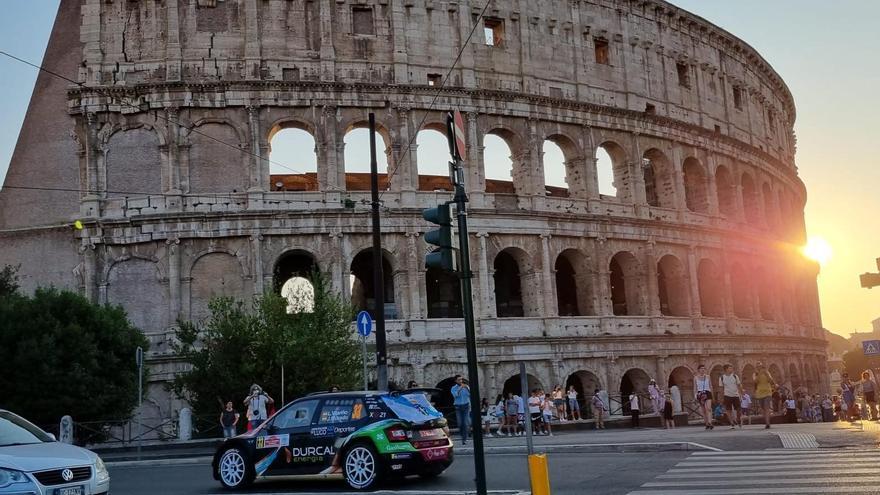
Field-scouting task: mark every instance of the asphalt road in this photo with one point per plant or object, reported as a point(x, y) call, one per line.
point(570, 473)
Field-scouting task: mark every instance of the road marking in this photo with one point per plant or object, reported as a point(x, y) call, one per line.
point(774, 481)
point(797, 440)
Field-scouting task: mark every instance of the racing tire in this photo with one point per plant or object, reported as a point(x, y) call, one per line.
point(361, 467)
point(234, 470)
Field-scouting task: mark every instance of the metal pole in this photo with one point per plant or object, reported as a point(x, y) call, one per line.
point(282, 384)
point(524, 390)
point(364, 359)
point(469, 330)
point(139, 358)
point(378, 275)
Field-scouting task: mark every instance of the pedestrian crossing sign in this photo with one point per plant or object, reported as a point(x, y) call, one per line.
point(871, 347)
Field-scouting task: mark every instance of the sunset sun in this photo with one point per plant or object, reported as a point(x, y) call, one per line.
point(818, 250)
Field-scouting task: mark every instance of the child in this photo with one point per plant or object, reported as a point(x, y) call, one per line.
point(549, 406)
point(668, 419)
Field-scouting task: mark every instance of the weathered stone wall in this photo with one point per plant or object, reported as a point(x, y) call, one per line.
point(691, 262)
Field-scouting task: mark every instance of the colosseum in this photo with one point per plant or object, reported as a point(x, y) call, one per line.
point(684, 251)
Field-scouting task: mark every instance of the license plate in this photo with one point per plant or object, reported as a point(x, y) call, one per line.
point(70, 490)
point(438, 454)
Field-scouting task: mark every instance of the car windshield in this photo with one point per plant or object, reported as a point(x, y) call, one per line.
point(414, 408)
point(15, 430)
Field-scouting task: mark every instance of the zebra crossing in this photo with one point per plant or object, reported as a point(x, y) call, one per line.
point(769, 472)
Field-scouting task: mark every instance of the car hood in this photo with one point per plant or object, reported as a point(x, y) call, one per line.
point(41, 456)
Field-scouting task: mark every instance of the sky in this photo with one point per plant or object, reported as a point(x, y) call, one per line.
point(827, 52)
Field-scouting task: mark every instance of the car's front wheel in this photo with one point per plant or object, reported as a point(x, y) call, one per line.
point(234, 469)
point(362, 467)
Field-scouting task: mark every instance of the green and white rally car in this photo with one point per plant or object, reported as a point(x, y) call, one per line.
point(361, 437)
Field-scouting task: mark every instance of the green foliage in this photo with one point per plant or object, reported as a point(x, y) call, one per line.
point(8, 280)
point(61, 354)
point(237, 346)
point(855, 362)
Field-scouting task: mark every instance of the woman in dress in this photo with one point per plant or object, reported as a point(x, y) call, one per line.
point(656, 396)
point(703, 394)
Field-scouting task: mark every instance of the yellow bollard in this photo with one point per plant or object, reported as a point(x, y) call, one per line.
point(539, 474)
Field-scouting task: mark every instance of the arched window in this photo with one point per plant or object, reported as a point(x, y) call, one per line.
point(750, 198)
point(443, 291)
point(567, 293)
point(293, 160)
point(696, 197)
point(508, 287)
point(300, 295)
point(726, 191)
point(740, 286)
point(433, 153)
point(711, 285)
point(555, 173)
point(291, 279)
point(611, 171)
point(624, 280)
point(765, 293)
point(673, 287)
point(770, 215)
point(357, 159)
point(659, 179)
point(634, 380)
point(498, 162)
point(363, 292)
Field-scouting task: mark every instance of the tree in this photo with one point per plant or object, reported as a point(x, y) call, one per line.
point(238, 345)
point(60, 354)
point(856, 362)
point(8, 280)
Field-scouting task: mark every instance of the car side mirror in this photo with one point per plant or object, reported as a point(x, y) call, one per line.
point(52, 436)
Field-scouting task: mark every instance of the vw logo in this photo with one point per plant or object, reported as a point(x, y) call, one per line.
point(67, 475)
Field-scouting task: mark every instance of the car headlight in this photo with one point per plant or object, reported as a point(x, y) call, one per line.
point(101, 473)
point(8, 477)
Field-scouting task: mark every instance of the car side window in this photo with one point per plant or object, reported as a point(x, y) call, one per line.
point(297, 415)
point(337, 411)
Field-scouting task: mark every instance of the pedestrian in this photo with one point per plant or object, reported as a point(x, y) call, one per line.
point(597, 407)
point(668, 418)
point(849, 395)
point(521, 415)
point(703, 394)
point(412, 384)
point(486, 416)
point(731, 386)
point(535, 413)
point(573, 406)
point(229, 420)
point(790, 410)
point(827, 409)
point(257, 403)
point(745, 405)
point(869, 389)
point(499, 414)
point(656, 397)
point(461, 400)
point(511, 406)
point(548, 407)
point(559, 403)
point(634, 408)
point(764, 392)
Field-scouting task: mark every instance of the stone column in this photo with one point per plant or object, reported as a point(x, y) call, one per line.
point(90, 272)
point(258, 175)
point(678, 178)
point(173, 128)
point(174, 286)
point(662, 375)
point(476, 183)
point(486, 301)
point(90, 204)
point(336, 266)
point(327, 52)
point(252, 46)
point(696, 306)
point(412, 266)
point(330, 157)
point(257, 257)
point(602, 280)
point(591, 178)
point(345, 249)
point(635, 170)
point(653, 288)
point(712, 191)
point(172, 41)
point(406, 178)
point(550, 309)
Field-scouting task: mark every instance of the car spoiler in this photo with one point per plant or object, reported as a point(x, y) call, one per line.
point(422, 390)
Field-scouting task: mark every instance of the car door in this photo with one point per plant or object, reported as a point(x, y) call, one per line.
point(279, 444)
point(338, 418)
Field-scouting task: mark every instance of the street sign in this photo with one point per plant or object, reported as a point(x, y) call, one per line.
point(871, 347)
point(364, 324)
point(459, 135)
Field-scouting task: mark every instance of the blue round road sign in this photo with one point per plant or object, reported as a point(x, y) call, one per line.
point(364, 323)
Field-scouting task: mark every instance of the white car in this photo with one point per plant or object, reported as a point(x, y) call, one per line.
point(33, 463)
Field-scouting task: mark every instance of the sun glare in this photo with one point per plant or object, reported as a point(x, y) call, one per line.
point(818, 250)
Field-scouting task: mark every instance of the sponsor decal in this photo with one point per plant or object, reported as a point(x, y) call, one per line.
point(262, 465)
point(401, 456)
point(397, 446)
point(315, 454)
point(273, 441)
point(437, 454)
point(329, 431)
point(397, 467)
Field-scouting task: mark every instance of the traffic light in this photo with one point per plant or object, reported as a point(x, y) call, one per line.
point(443, 258)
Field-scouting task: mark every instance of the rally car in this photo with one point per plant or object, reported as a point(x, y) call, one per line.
point(361, 437)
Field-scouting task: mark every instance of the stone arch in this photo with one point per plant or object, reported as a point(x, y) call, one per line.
point(749, 198)
point(443, 293)
point(501, 172)
point(613, 177)
point(513, 385)
point(683, 377)
point(432, 153)
point(765, 292)
point(633, 380)
point(290, 264)
point(711, 285)
point(443, 401)
point(362, 287)
point(695, 190)
point(133, 162)
point(770, 213)
point(564, 172)
point(293, 155)
point(572, 283)
point(625, 280)
point(136, 284)
point(214, 274)
point(659, 177)
point(673, 287)
point(516, 284)
point(725, 191)
point(585, 383)
point(740, 291)
point(356, 154)
point(215, 167)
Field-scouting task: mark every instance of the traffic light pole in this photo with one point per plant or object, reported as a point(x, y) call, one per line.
point(470, 333)
point(378, 275)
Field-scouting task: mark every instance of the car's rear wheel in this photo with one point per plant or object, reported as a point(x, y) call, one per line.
point(234, 469)
point(362, 467)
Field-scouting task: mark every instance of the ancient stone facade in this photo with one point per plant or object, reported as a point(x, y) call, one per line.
point(162, 151)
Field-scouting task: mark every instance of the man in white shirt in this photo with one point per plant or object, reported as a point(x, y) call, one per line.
point(634, 409)
point(732, 386)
